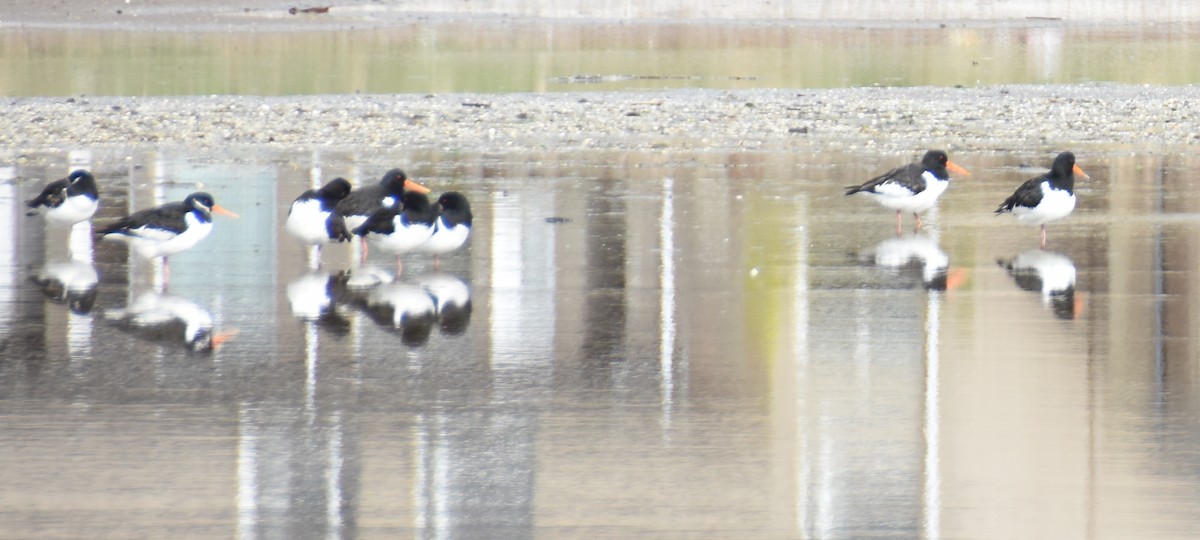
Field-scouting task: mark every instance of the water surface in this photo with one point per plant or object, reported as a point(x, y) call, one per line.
point(694, 344)
point(430, 56)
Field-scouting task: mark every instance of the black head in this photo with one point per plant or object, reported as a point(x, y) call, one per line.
point(336, 189)
point(81, 181)
point(393, 180)
point(935, 159)
point(1064, 165)
point(453, 200)
point(81, 176)
point(454, 208)
point(200, 201)
point(413, 200)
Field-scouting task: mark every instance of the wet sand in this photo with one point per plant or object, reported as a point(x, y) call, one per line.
point(883, 119)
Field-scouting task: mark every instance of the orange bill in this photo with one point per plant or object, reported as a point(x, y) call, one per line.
point(1080, 172)
point(224, 212)
point(409, 185)
point(954, 168)
point(956, 277)
point(222, 337)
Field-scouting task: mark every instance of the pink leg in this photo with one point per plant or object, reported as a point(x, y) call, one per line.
point(918, 218)
point(899, 223)
point(1043, 237)
point(166, 272)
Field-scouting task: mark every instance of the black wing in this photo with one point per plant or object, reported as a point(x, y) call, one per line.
point(335, 225)
point(1028, 195)
point(364, 201)
point(909, 177)
point(168, 217)
point(53, 195)
point(380, 222)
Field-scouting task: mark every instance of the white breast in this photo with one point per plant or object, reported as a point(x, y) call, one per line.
point(307, 221)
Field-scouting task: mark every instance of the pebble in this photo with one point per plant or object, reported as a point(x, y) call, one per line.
point(885, 119)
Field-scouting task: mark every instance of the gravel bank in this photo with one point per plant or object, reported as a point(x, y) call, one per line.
point(992, 118)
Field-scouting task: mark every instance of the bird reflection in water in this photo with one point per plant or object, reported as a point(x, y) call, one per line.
point(72, 282)
point(311, 297)
point(919, 253)
point(1051, 274)
point(411, 307)
point(168, 318)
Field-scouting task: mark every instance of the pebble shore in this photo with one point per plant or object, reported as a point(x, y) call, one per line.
point(885, 119)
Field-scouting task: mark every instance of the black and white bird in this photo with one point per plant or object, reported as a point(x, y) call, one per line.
point(911, 188)
point(363, 202)
point(452, 226)
point(168, 229)
point(68, 200)
point(402, 227)
point(1046, 197)
point(313, 216)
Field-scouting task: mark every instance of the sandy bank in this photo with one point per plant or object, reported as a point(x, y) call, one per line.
point(1000, 118)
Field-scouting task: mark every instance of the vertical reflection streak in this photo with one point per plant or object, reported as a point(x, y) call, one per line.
point(420, 477)
point(932, 496)
point(314, 182)
point(8, 244)
point(79, 327)
point(247, 476)
point(800, 355)
point(333, 480)
point(933, 481)
point(667, 304)
point(311, 344)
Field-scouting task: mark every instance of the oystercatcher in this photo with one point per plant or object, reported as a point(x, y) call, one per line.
point(912, 188)
point(313, 217)
point(68, 200)
point(1047, 197)
point(452, 226)
point(363, 202)
point(400, 228)
point(168, 229)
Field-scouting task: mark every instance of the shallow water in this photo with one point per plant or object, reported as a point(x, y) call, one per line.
point(657, 344)
point(430, 56)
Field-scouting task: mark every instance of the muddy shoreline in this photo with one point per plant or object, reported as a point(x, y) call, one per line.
point(988, 118)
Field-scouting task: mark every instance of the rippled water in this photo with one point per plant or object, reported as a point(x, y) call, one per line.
point(429, 56)
point(656, 345)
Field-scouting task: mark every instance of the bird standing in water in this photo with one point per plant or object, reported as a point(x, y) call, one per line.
point(165, 230)
point(911, 188)
point(68, 200)
point(1046, 197)
point(363, 202)
point(313, 217)
point(400, 228)
point(452, 226)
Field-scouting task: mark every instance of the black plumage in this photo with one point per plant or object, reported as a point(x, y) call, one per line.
point(79, 183)
point(1029, 194)
point(414, 207)
point(911, 177)
point(365, 201)
point(169, 217)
